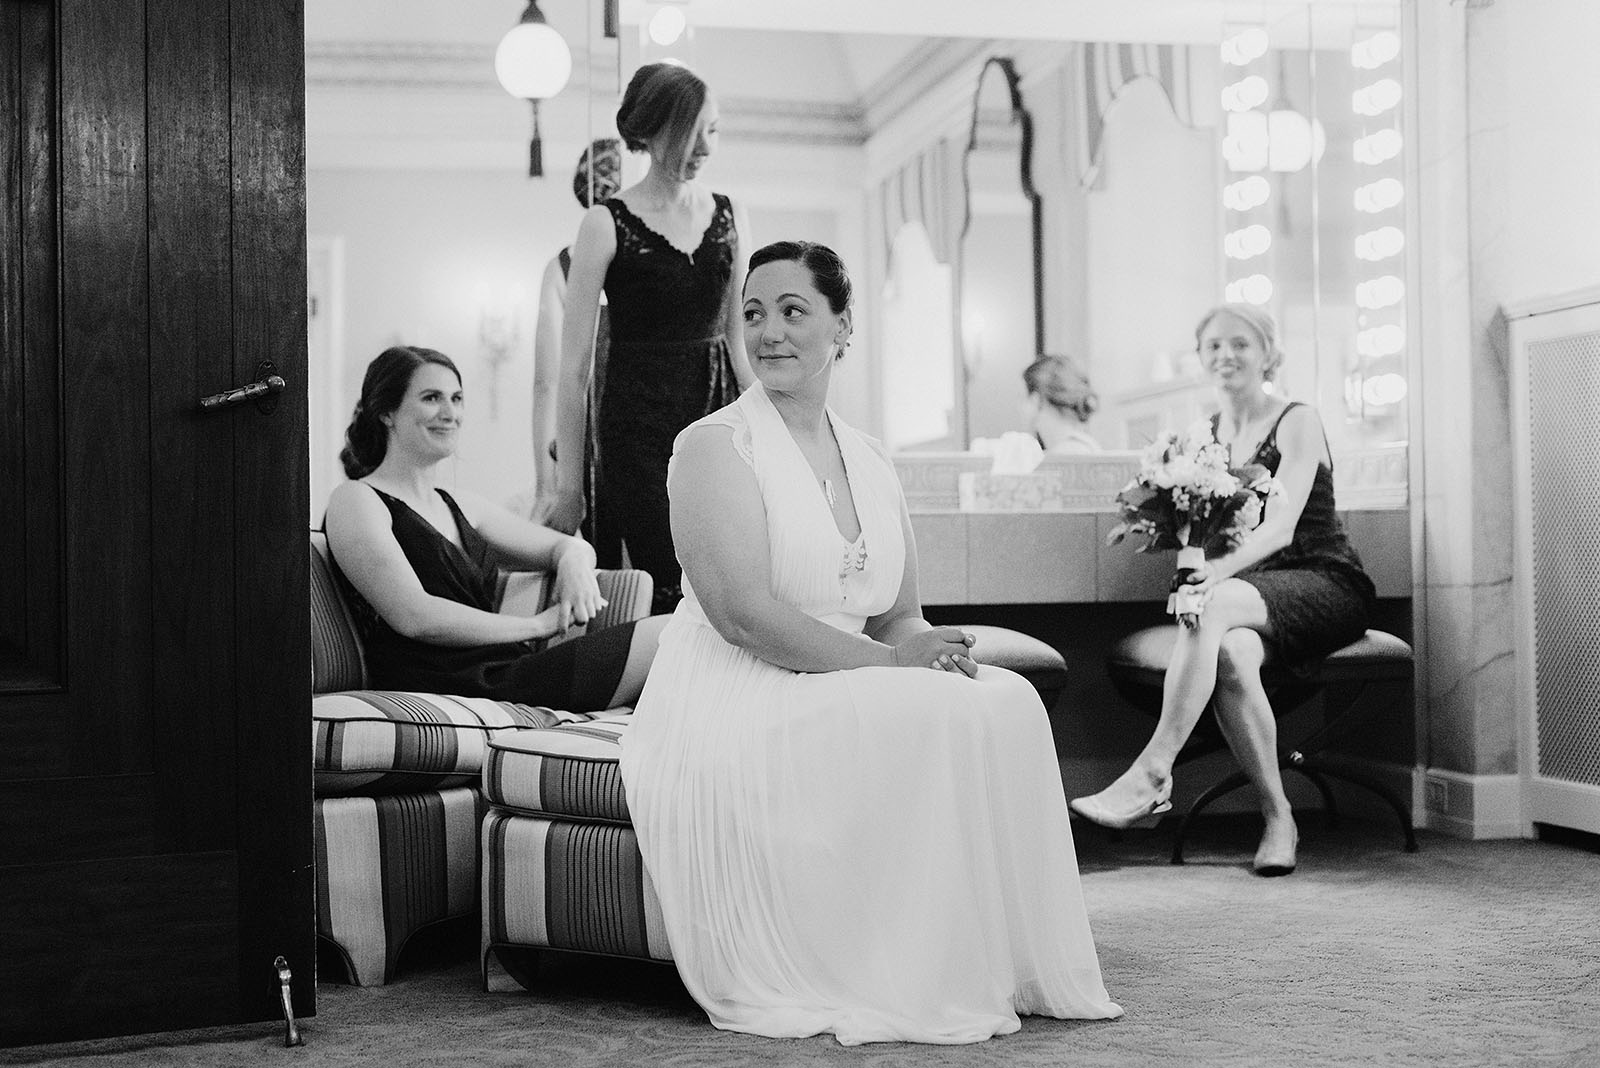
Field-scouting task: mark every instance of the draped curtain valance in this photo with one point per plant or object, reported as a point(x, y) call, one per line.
point(1105, 69)
point(927, 189)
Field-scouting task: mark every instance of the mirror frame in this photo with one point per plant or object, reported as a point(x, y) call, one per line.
point(1020, 114)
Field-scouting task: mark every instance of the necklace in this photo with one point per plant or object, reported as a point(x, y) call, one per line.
point(827, 491)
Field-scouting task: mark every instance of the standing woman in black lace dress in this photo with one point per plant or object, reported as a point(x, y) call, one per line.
point(1292, 590)
point(670, 255)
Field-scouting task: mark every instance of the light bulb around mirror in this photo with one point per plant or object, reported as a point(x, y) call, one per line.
point(1382, 292)
point(1370, 100)
point(1378, 196)
point(1379, 146)
point(1244, 94)
point(1380, 244)
point(1246, 144)
point(1245, 46)
point(667, 25)
point(1375, 51)
point(1247, 193)
point(1251, 289)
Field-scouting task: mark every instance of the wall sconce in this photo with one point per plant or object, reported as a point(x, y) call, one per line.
point(533, 63)
point(499, 334)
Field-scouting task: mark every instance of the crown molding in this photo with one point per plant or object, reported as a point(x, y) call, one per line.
point(772, 121)
point(428, 65)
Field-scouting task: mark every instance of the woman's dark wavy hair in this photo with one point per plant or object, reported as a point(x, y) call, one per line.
point(660, 96)
point(388, 377)
point(828, 273)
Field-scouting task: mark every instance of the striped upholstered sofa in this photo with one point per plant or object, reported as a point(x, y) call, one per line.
point(398, 805)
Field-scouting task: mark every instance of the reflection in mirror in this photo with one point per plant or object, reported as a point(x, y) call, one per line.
point(1001, 276)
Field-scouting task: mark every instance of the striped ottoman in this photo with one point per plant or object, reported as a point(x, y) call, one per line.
point(561, 865)
point(396, 814)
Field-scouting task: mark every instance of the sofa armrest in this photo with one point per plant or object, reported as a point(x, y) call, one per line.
point(627, 592)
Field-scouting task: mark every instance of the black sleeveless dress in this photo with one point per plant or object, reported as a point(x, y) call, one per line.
point(668, 366)
point(578, 675)
point(1318, 597)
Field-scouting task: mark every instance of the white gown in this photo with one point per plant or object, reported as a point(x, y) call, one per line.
point(880, 853)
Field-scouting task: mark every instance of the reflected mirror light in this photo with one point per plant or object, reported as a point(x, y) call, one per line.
point(1247, 193)
point(1380, 244)
point(1375, 51)
point(1382, 95)
point(1247, 143)
point(1247, 243)
point(1244, 94)
point(1245, 46)
point(667, 25)
point(1252, 289)
point(1383, 390)
point(1383, 292)
point(1378, 147)
point(1379, 196)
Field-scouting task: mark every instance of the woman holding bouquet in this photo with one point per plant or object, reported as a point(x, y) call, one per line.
point(1292, 590)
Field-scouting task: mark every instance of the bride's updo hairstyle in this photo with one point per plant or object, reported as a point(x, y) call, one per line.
point(388, 377)
point(827, 271)
point(1261, 324)
point(660, 96)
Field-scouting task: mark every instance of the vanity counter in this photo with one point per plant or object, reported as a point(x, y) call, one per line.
point(1051, 548)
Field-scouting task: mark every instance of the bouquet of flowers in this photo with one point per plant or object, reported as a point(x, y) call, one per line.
point(1187, 498)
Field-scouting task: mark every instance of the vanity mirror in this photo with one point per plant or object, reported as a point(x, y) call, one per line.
point(1000, 290)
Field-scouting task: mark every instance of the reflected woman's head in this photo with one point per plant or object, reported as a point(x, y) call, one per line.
point(599, 172)
point(662, 109)
point(1058, 382)
point(1257, 324)
point(383, 390)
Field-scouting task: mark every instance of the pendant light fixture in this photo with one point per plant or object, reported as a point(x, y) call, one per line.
point(533, 63)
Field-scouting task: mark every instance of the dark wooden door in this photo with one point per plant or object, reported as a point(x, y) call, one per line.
point(155, 783)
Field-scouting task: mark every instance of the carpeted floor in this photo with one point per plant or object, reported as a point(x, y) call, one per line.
point(1463, 954)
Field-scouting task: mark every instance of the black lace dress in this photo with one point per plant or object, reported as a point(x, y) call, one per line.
point(578, 675)
point(668, 366)
point(1318, 597)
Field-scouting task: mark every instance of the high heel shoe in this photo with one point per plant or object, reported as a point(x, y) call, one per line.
point(1094, 809)
point(1270, 864)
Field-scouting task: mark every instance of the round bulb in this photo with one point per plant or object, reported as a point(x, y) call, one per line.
point(667, 25)
point(533, 62)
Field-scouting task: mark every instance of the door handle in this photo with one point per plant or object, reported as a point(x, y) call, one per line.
point(264, 390)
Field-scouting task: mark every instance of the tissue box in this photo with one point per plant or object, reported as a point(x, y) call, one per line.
point(1061, 484)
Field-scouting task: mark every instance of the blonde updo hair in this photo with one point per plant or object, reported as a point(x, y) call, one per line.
point(1260, 323)
point(1060, 384)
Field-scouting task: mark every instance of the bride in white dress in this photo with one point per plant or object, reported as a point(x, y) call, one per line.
point(852, 825)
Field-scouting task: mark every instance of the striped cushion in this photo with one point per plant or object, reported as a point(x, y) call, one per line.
point(387, 866)
point(336, 660)
point(373, 742)
point(569, 771)
point(564, 885)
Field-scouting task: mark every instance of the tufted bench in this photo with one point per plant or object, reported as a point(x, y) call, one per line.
point(1138, 666)
point(561, 864)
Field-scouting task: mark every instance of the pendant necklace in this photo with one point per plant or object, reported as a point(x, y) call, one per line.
point(827, 491)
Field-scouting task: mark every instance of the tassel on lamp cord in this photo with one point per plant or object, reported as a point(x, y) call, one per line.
point(536, 146)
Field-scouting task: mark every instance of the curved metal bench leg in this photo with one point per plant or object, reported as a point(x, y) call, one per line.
point(1218, 789)
point(1329, 805)
point(1383, 791)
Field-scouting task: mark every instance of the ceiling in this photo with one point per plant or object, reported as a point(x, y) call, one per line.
point(382, 72)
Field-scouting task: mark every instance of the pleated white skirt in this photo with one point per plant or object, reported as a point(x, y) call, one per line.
point(882, 853)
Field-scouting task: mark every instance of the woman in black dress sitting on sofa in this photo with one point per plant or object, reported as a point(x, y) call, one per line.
point(1293, 589)
point(419, 565)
